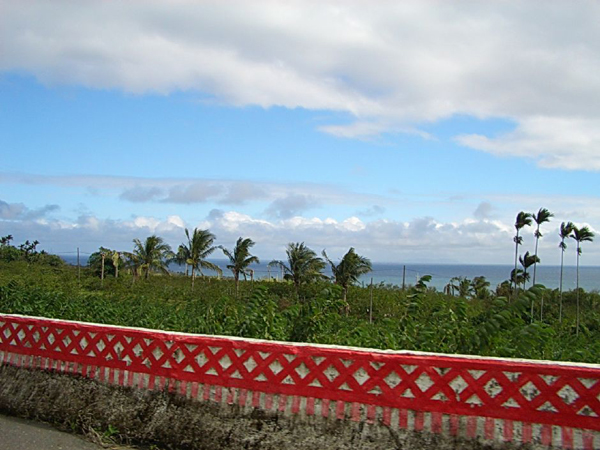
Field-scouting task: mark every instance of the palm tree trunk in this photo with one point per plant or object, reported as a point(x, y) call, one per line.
point(577, 290)
point(516, 261)
point(537, 240)
point(560, 305)
point(236, 275)
point(346, 305)
point(102, 273)
point(193, 276)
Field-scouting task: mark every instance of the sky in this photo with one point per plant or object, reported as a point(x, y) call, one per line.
point(414, 131)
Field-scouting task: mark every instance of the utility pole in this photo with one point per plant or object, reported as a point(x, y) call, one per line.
point(78, 267)
point(403, 277)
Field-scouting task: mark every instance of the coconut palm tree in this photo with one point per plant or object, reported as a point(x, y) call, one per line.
point(580, 235)
point(116, 257)
point(303, 265)
point(182, 256)
point(565, 230)
point(542, 216)
point(240, 258)
point(349, 269)
point(452, 287)
point(523, 220)
point(151, 255)
point(480, 287)
point(198, 248)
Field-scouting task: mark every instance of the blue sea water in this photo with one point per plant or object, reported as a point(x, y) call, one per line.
point(391, 273)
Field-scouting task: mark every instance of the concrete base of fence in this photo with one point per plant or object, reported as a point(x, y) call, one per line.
point(172, 420)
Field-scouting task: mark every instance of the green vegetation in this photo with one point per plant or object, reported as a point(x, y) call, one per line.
point(467, 318)
point(478, 321)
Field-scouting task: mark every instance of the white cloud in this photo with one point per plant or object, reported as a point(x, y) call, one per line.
point(392, 66)
point(553, 142)
point(424, 239)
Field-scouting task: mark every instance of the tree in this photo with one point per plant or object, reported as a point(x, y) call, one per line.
point(542, 216)
point(523, 220)
point(151, 255)
point(182, 256)
point(565, 230)
point(239, 259)
point(116, 257)
point(518, 276)
point(199, 247)
point(349, 269)
point(480, 287)
point(303, 265)
point(459, 285)
point(580, 235)
point(527, 261)
point(102, 263)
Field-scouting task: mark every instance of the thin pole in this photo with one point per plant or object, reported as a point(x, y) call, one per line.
point(403, 277)
point(78, 267)
point(102, 273)
point(371, 303)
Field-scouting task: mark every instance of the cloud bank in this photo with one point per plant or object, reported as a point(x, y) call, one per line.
point(392, 67)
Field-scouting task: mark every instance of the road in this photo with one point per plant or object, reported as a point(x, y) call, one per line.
point(20, 434)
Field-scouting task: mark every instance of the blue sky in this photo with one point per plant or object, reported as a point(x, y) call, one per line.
point(333, 125)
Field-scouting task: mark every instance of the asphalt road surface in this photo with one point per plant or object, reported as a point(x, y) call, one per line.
point(20, 434)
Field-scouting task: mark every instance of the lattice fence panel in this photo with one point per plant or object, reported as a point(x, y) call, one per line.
point(540, 393)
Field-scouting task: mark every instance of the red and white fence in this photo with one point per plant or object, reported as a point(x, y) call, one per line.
point(547, 404)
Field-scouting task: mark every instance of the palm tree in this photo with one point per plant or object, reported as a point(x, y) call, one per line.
point(103, 262)
point(240, 258)
point(542, 216)
point(182, 256)
point(565, 230)
point(580, 235)
point(198, 248)
point(527, 261)
point(116, 257)
point(523, 219)
point(518, 276)
point(452, 287)
point(152, 254)
point(303, 265)
point(480, 287)
point(349, 269)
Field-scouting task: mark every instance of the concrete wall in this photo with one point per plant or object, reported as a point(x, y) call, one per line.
point(246, 393)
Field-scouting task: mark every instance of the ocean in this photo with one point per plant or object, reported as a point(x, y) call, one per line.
point(391, 273)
